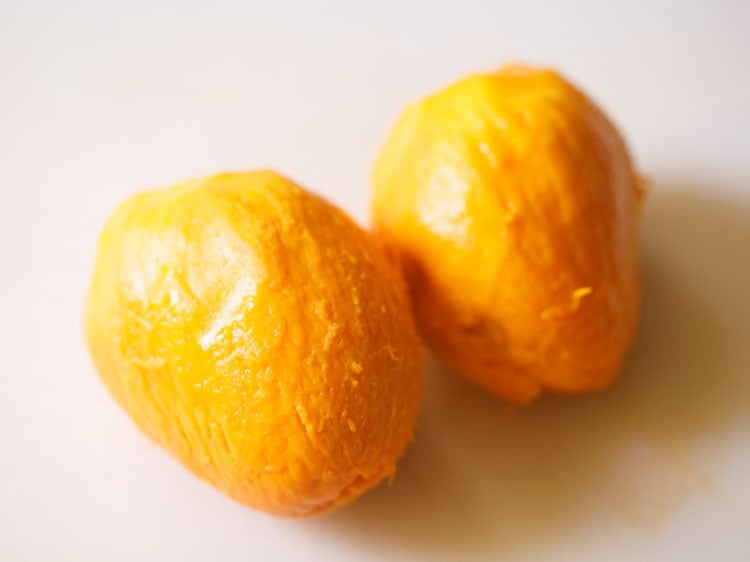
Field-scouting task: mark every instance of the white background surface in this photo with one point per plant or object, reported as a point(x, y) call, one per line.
point(98, 101)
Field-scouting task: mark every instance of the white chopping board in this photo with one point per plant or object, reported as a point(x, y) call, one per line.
point(98, 101)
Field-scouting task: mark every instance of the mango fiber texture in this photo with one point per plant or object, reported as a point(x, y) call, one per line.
point(260, 336)
point(513, 202)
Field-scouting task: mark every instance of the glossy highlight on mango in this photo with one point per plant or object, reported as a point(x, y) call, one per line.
point(513, 202)
point(258, 334)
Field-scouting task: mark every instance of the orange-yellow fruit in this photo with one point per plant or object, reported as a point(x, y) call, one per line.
point(513, 202)
point(261, 336)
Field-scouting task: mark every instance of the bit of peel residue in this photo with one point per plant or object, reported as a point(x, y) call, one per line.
point(578, 295)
